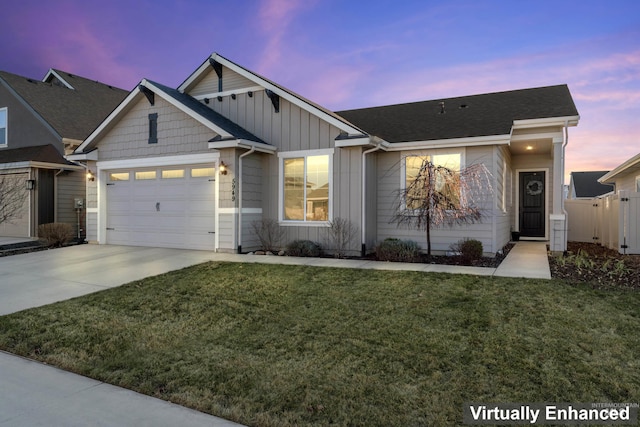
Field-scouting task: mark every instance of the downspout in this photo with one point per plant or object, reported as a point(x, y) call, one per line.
point(253, 149)
point(564, 211)
point(363, 248)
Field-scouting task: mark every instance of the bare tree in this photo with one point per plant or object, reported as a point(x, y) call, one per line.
point(269, 233)
point(12, 196)
point(439, 195)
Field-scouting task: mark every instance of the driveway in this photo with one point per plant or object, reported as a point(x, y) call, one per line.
point(37, 394)
point(40, 278)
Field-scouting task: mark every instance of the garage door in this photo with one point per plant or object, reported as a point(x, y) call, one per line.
point(169, 207)
point(18, 225)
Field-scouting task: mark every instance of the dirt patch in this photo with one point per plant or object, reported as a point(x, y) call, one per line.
point(598, 266)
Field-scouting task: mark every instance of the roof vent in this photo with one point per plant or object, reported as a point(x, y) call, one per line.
point(442, 110)
point(463, 106)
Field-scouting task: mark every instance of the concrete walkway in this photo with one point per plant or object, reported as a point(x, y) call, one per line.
point(526, 259)
point(35, 394)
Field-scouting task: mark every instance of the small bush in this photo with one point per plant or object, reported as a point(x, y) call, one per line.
point(340, 234)
point(304, 248)
point(398, 250)
point(55, 234)
point(269, 233)
point(469, 249)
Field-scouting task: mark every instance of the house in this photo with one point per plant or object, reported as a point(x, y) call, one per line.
point(625, 177)
point(193, 167)
point(585, 185)
point(40, 122)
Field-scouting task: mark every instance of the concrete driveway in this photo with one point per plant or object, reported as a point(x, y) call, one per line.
point(40, 278)
point(34, 394)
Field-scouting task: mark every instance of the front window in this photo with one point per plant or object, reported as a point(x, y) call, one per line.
point(306, 184)
point(3, 127)
point(432, 176)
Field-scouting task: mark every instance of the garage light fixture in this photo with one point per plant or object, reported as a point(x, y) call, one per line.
point(90, 176)
point(31, 184)
point(223, 168)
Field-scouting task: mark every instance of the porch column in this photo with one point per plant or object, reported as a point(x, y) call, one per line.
point(557, 218)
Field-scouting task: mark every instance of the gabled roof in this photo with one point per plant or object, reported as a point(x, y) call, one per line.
point(586, 185)
point(71, 113)
point(327, 115)
point(465, 116)
point(225, 128)
point(200, 109)
point(40, 154)
point(631, 163)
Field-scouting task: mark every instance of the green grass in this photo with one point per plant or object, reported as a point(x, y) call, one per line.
point(274, 345)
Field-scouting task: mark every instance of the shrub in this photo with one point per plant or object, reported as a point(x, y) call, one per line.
point(304, 248)
point(469, 249)
point(269, 233)
point(55, 234)
point(398, 250)
point(340, 234)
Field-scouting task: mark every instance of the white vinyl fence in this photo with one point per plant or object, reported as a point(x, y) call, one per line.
point(612, 221)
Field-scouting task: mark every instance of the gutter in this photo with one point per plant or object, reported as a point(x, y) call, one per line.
point(363, 247)
point(564, 211)
point(251, 151)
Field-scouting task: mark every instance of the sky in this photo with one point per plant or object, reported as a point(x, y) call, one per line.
point(346, 54)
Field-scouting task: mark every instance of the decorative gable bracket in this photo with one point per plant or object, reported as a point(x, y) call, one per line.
point(148, 93)
point(275, 99)
point(217, 67)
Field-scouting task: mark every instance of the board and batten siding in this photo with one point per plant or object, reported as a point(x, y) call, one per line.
point(389, 169)
point(70, 186)
point(505, 196)
point(178, 133)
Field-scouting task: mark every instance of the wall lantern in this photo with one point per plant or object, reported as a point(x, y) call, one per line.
point(223, 168)
point(90, 176)
point(31, 184)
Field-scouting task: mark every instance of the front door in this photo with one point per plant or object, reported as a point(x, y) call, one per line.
point(532, 198)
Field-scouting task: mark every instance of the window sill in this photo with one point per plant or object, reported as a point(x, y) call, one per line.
point(285, 223)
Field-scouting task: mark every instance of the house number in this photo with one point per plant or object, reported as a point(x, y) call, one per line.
point(233, 190)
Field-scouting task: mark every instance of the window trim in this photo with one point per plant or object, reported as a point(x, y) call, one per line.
point(6, 127)
point(304, 154)
point(637, 189)
point(424, 153)
point(153, 128)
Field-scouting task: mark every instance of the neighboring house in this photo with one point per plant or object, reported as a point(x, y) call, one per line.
point(585, 185)
point(40, 122)
point(625, 177)
point(193, 167)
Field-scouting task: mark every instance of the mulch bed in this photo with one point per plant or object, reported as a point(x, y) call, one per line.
point(600, 267)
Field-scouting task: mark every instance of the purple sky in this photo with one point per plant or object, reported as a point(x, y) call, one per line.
point(349, 54)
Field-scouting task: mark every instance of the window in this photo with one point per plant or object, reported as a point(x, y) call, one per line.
point(638, 183)
point(119, 176)
point(3, 127)
point(202, 172)
point(173, 173)
point(445, 183)
point(145, 175)
point(306, 183)
point(153, 128)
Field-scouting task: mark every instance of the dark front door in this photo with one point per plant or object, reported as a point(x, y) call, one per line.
point(532, 197)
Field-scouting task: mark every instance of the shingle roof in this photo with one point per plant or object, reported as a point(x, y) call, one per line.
point(586, 184)
point(206, 112)
point(73, 113)
point(39, 153)
point(464, 116)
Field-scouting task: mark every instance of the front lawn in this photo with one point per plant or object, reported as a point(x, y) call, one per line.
point(270, 345)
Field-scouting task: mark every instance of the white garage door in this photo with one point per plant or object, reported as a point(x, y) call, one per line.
point(170, 207)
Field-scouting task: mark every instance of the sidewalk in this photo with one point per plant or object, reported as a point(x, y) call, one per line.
point(526, 259)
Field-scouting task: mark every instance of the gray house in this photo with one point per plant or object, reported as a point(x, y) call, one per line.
point(193, 167)
point(40, 122)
